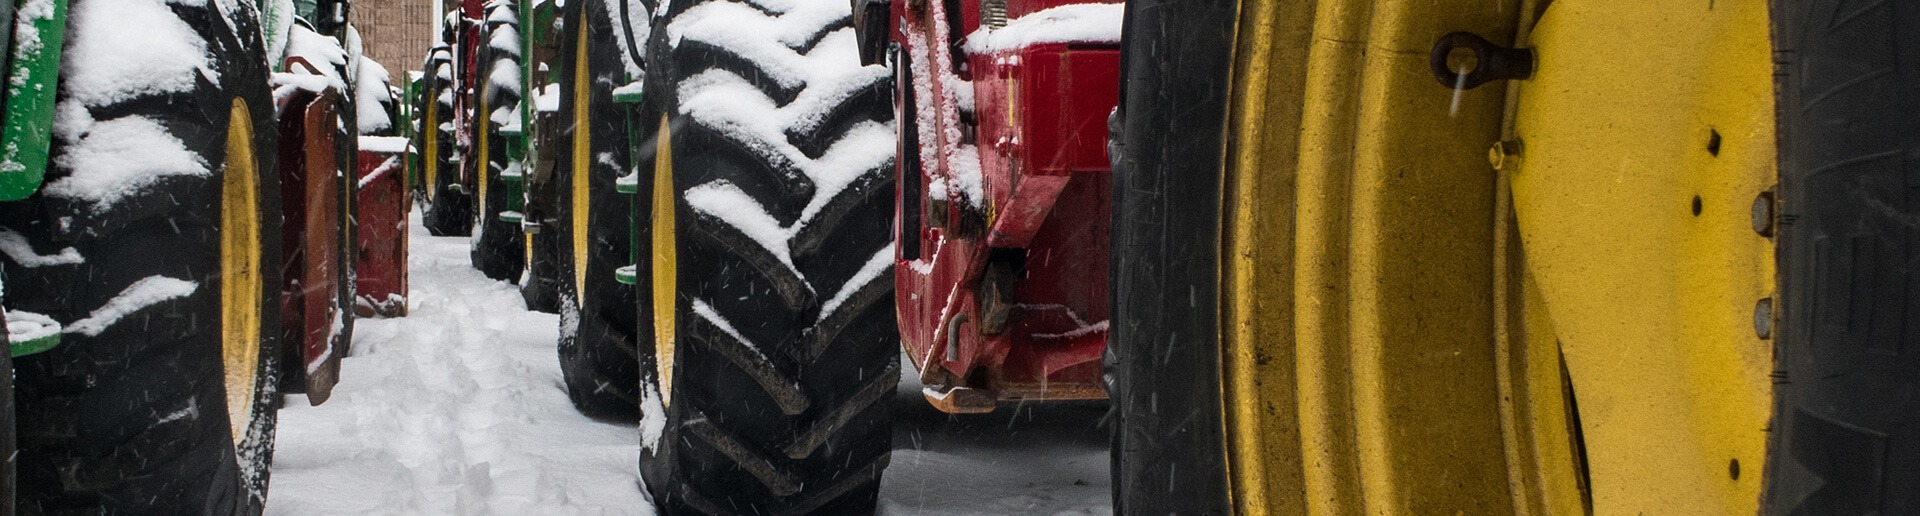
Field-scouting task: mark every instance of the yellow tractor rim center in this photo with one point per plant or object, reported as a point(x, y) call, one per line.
point(431, 141)
point(240, 281)
point(665, 260)
point(582, 154)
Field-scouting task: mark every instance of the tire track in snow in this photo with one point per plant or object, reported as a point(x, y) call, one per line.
point(457, 408)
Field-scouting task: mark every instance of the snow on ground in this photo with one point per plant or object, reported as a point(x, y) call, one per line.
point(458, 408)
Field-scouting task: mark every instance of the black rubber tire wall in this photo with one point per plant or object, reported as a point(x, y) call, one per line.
point(1846, 429)
point(1167, 222)
point(94, 435)
point(448, 211)
point(801, 425)
point(499, 247)
point(540, 289)
point(9, 461)
point(597, 326)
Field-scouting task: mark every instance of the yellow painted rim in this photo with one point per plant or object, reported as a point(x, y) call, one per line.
point(666, 261)
point(431, 143)
point(582, 164)
point(485, 163)
point(240, 281)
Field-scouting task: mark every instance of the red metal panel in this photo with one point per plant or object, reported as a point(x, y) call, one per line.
point(1041, 137)
point(380, 222)
point(311, 199)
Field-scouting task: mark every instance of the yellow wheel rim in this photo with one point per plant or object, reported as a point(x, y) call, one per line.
point(484, 165)
point(665, 261)
point(431, 141)
point(240, 281)
point(582, 153)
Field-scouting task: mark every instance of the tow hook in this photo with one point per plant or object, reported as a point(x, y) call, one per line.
point(1491, 62)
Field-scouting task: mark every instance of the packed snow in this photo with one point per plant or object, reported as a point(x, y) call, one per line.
point(458, 408)
point(25, 326)
point(16, 247)
point(632, 32)
point(1072, 23)
point(371, 97)
point(147, 292)
point(116, 158)
point(117, 51)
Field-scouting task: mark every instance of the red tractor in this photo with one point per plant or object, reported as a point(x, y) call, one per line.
point(1003, 181)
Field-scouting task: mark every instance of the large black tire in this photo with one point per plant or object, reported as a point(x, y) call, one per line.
point(448, 208)
point(540, 288)
point(784, 350)
point(498, 247)
point(9, 461)
point(1165, 259)
point(597, 320)
point(130, 413)
point(1845, 437)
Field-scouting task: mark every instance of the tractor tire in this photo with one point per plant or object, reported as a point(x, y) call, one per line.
point(774, 360)
point(592, 229)
point(1845, 437)
point(160, 399)
point(498, 246)
point(9, 461)
point(540, 287)
point(448, 208)
point(1165, 255)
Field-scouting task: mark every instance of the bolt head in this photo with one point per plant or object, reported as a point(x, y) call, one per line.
point(1501, 154)
point(1763, 214)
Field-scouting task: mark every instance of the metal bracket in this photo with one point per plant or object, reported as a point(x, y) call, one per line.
point(1492, 62)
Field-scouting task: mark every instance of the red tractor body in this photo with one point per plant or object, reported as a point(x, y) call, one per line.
point(1001, 272)
point(381, 206)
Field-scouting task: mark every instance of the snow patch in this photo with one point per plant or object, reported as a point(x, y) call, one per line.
point(147, 292)
point(322, 52)
point(635, 28)
point(707, 312)
point(387, 144)
point(547, 100)
point(632, 88)
point(372, 97)
point(16, 247)
point(117, 51)
point(1074, 23)
point(1082, 331)
point(653, 417)
point(26, 326)
point(880, 263)
point(26, 36)
point(733, 206)
point(116, 158)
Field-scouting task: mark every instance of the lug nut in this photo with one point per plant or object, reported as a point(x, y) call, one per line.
point(1763, 318)
point(1501, 152)
point(1763, 214)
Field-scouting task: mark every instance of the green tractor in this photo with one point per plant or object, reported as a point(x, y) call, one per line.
point(176, 233)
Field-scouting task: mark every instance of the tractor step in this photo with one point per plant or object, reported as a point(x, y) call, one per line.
point(628, 275)
point(627, 184)
point(29, 333)
point(512, 216)
point(629, 94)
point(960, 400)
